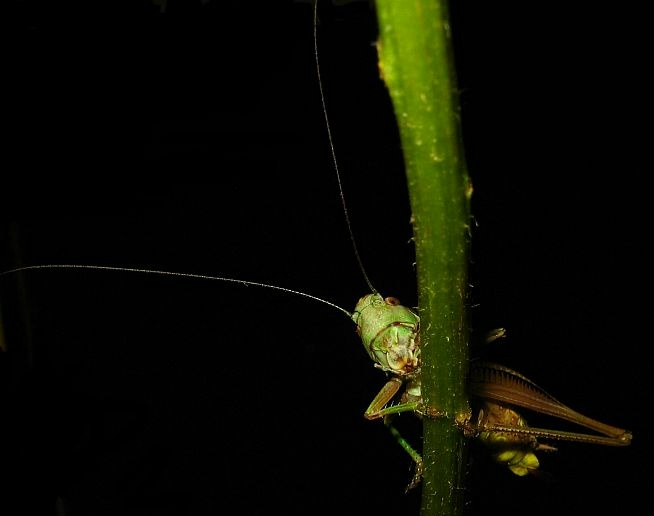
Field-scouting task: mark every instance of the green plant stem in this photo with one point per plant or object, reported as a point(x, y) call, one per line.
point(416, 61)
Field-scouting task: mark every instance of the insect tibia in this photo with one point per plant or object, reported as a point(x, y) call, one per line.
point(561, 435)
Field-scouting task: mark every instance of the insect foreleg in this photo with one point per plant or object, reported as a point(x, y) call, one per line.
point(408, 403)
point(377, 408)
point(417, 458)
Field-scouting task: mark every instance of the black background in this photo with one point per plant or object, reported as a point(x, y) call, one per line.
point(193, 140)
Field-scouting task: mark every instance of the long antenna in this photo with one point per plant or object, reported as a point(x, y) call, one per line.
point(331, 146)
point(178, 274)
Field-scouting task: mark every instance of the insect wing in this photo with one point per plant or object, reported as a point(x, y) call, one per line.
point(499, 383)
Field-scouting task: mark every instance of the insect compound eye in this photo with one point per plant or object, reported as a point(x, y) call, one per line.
point(393, 301)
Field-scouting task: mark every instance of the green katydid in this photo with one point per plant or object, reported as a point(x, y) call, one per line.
point(389, 333)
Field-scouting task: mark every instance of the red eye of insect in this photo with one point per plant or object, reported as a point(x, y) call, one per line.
point(393, 301)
